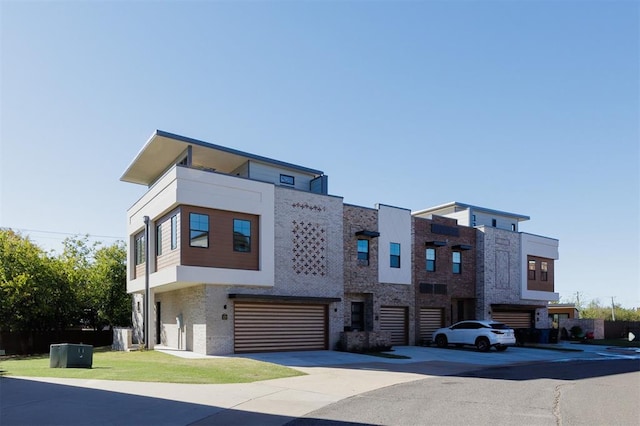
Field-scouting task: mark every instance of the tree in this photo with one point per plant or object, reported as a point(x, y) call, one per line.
point(34, 295)
point(107, 288)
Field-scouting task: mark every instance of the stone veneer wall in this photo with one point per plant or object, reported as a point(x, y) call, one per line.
point(189, 304)
point(498, 271)
point(361, 281)
point(308, 263)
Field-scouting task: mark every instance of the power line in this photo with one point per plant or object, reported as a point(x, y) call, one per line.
point(62, 233)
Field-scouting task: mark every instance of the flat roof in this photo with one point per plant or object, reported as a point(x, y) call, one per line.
point(163, 149)
point(455, 206)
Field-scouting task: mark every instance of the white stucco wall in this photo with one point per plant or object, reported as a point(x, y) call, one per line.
point(394, 225)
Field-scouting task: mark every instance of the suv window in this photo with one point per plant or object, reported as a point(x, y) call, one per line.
point(499, 326)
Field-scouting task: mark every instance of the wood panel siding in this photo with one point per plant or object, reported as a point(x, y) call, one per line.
point(538, 284)
point(394, 320)
point(169, 257)
point(266, 327)
point(431, 319)
point(220, 253)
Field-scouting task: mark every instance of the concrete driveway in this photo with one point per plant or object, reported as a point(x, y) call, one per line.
point(331, 377)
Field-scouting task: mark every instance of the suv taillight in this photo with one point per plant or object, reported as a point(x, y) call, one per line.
point(497, 332)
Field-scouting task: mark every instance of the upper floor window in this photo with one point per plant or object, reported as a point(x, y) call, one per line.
point(532, 270)
point(394, 251)
point(287, 180)
point(513, 227)
point(363, 251)
point(241, 235)
point(457, 262)
point(139, 249)
point(174, 232)
point(159, 239)
point(494, 223)
point(544, 271)
point(198, 230)
point(431, 259)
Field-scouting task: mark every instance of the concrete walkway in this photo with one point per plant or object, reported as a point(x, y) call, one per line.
point(331, 377)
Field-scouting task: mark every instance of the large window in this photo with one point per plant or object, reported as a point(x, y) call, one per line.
point(139, 249)
point(159, 240)
point(394, 251)
point(431, 259)
point(532, 270)
point(198, 230)
point(363, 251)
point(174, 232)
point(544, 271)
point(456, 257)
point(241, 235)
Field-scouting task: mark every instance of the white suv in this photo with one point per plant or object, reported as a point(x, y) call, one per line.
point(481, 334)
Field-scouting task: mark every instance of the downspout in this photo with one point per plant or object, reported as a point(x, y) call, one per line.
point(147, 304)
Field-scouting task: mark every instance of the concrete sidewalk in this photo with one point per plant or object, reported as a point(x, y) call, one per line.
point(331, 377)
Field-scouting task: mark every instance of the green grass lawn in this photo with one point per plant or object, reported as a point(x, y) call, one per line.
point(151, 366)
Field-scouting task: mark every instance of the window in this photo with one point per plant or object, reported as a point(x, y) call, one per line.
point(241, 235)
point(544, 271)
point(363, 251)
point(159, 240)
point(532, 269)
point(198, 230)
point(394, 250)
point(174, 232)
point(494, 222)
point(357, 316)
point(287, 180)
point(139, 249)
point(513, 227)
point(473, 220)
point(457, 262)
point(431, 259)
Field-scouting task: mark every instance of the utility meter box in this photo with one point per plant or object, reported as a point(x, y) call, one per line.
point(70, 355)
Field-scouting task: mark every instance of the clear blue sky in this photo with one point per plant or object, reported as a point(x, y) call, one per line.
point(526, 106)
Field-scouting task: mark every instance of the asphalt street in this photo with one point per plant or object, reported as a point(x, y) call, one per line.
point(575, 392)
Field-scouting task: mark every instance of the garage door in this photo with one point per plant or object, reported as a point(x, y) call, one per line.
point(514, 319)
point(266, 327)
point(430, 321)
point(394, 319)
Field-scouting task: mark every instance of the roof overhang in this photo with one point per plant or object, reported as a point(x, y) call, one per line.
point(164, 149)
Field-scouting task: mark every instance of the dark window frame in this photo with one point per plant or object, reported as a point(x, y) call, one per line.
point(159, 239)
point(196, 234)
point(394, 259)
point(456, 266)
point(363, 255)
point(531, 272)
point(430, 263)
point(139, 249)
point(174, 232)
point(239, 233)
point(544, 271)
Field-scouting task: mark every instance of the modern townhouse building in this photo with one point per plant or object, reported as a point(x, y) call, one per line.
point(514, 270)
point(444, 273)
point(231, 252)
point(237, 252)
point(378, 290)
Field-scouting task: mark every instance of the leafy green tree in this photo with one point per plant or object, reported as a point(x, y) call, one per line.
point(107, 286)
point(34, 294)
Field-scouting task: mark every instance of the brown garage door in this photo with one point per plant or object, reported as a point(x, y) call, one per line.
point(394, 319)
point(268, 327)
point(514, 319)
point(430, 321)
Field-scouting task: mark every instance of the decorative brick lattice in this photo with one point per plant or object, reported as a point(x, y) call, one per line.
point(309, 248)
point(309, 206)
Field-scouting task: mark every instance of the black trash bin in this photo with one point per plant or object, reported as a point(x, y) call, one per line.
point(70, 355)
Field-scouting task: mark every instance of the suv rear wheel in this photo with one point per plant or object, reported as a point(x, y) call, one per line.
point(482, 343)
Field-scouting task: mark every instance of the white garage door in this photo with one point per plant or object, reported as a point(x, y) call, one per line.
point(268, 327)
point(430, 321)
point(394, 320)
point(514, 319)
